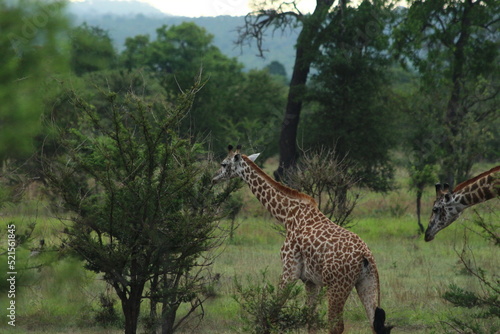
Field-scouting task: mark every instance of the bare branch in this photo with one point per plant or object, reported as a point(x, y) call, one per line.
point(329, 179)
point(258, 22)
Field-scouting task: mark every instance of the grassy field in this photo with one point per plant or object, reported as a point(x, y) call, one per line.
point(62, 297)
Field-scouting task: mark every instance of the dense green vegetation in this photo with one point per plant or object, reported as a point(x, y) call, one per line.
point(32, 52)
point(107, 155)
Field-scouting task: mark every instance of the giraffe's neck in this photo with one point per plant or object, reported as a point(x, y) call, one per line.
point(478, 189)
point(281, 201)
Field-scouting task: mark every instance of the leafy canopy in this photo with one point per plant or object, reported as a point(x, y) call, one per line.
point(33, 51)
point(142, 207)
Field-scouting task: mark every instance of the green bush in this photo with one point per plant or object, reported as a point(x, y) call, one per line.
point(268, 309)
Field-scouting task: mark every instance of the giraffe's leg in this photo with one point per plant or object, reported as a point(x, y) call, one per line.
point(337, 297)
point(312, 291)
point(292, 266)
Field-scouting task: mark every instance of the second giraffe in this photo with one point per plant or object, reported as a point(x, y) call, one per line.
point(316, 250)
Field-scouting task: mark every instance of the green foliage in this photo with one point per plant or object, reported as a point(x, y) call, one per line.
point(483, 314)
point(276, 68)
point(13, 183)
point(32, 47)
point(253, 115)
point(467, 146)
point(269, 309)
point(233, 207)
point(351, 93)
point(106, 315)
point(4, 195)
point(461, 25)
point(421, 177)
point(422, 116)
point(232, 107)
point(459, 296)
point(177, 55)
point(454, 48)
point(179, 52)
point(484, 306)
point(61, 114)
point(136, 52)
point(91, 50)
point(142, 207)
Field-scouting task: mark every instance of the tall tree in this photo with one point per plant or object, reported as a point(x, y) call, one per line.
point(420, 148)
point(280, 16)
point(454, 45)
point(352, 100)
point(91, 50)
point(32, 53)
point(233, 106)
point(136, 52)
point(276, 68)
point(143, 209)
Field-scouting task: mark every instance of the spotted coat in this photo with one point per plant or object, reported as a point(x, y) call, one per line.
point(448, 206)
point(315, 250)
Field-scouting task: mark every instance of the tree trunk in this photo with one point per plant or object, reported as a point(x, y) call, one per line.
point(153, 316)
point(168, 318)
point(419, 206)
point(130, 297)
point(131, 310)
point(454, 112)
point(288, 136)
point(306, 47)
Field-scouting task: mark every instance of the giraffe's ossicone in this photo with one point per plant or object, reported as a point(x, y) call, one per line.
point(315, 250)
point(449, 205)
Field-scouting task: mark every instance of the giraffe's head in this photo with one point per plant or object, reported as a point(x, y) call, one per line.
point(232, 165)
point(444, 212)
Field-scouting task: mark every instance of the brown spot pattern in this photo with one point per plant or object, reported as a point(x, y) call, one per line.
point(316, 250)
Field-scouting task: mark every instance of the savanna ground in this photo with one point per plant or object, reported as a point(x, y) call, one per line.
point(62, 297)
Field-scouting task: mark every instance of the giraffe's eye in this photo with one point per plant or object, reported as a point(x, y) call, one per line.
point(223, 165)
point(435, 210)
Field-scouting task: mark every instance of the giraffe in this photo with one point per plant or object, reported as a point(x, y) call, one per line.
point(449, 205)
point(315, 250)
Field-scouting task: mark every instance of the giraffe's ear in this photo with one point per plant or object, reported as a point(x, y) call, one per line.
point(253, 156)
point(438, 189)
point(442, 189)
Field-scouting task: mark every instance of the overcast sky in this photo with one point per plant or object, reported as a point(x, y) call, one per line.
point(195, 8)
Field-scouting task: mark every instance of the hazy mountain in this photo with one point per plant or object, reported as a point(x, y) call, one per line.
point(121, 8)
point(124, 19)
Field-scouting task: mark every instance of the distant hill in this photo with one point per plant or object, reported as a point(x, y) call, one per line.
point(121, 8)
point(124, 19)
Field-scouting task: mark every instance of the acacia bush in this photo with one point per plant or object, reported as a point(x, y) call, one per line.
point(328, 178)
point(484, 306)
point(141, 205)
point(268, 309)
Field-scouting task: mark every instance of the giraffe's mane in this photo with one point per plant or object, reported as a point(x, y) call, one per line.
point(278, 186)
point(475, 178)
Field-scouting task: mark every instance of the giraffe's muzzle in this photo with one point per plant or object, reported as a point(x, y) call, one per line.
point(428, 235)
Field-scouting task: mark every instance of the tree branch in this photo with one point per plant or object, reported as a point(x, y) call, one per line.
point(257, 23)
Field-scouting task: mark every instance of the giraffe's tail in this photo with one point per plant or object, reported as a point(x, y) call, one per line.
point(378, 322)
